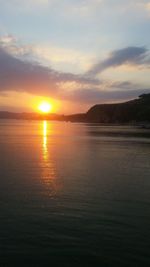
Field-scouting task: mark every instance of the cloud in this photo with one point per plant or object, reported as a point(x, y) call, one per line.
point(147, 6)
point(60, 58)
point(144, 4)
point(20, 75)
point(93, 96)
point(130, 55)
point(105, 92)
point(12, 46)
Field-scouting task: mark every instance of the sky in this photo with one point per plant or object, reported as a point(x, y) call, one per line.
point(73, 53)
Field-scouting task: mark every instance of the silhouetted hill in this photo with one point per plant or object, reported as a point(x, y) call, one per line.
point(135, 110)
point(81, 117)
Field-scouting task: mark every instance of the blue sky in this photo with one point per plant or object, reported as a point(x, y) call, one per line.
point(75, 53)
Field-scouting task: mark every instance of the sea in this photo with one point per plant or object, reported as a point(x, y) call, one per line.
point(74, 194)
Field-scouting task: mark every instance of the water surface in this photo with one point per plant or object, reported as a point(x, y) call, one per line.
point(74, 194)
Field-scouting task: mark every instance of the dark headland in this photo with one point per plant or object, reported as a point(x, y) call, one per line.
point(137, 110)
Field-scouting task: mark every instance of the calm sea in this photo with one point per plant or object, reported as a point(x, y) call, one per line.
point(74, 195)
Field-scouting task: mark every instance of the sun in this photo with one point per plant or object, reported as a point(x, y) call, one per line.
point(45, 107)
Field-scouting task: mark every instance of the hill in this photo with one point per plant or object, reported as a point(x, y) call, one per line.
point(135, 110)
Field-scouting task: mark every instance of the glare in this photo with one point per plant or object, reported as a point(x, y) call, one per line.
point(45, 107)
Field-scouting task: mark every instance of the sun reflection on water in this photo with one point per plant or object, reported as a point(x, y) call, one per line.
point(45, 150)
point(48, 169)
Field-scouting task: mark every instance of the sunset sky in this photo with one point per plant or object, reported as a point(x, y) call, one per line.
point(73, 53)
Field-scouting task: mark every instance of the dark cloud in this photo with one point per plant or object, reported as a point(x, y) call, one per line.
point(126, 85)
point(19, 75)
point(103, 96)
point(129, 55)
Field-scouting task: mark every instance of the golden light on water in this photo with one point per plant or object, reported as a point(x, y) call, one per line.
point(45, 137)
point(45, 107)
point(48, 169)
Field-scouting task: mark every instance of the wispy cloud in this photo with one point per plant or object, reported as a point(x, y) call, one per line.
point(12, 45)
point(60, 58)
point(144, 4)
point(130, 55)
point(147, 6)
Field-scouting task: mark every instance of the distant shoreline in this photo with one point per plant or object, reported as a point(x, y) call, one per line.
point(134, 112)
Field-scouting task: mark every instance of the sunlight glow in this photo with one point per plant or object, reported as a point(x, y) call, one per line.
point(45, 107)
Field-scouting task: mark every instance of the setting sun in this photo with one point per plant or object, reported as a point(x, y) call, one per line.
point(45, 107)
